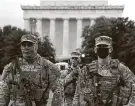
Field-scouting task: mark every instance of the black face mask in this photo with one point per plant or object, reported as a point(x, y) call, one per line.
point(102, 52)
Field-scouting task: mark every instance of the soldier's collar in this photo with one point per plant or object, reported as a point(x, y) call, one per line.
point(106, 61)
point(37, 60)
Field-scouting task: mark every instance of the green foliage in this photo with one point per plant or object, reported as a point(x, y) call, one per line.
point(46, 49)
point(121, 30)
point(9, 43)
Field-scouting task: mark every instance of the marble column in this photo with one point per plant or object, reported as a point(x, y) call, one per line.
point(39, 27)
point(79, 32)
point(27, 24)
point(92, 22)
point(52, 31)
point(66, 37)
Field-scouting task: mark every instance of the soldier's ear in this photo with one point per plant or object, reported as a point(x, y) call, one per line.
point(70, 61)
point(79, 59)
point(36, 45)
point(95, 49)
point(111, 49)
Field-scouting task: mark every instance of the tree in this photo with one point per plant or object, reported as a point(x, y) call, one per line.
point(9, 43)
point(46, 49)
point(122, 32)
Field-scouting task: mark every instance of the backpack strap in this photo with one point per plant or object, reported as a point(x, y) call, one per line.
point(43, 75)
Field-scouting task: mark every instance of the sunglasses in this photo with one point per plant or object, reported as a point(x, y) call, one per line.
point(29, 44)
point(75, 58)
point(102, 46)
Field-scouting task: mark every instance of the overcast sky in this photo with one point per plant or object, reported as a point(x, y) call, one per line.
point(11, 13)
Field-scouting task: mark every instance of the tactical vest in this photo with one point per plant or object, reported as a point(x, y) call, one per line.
point(103, 90)
point(31, 82)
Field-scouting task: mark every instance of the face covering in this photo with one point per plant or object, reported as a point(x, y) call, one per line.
point(102, 52)
point(74, 61)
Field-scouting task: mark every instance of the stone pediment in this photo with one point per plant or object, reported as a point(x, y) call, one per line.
point(74, 7)
point(71, 2)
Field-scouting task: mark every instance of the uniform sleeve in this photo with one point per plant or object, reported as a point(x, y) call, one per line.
point(71, 77)
point(54, 75)
point(55, 85)
point(78, 98)
point(76, 95)
point(68, 79)
point(129, 82)
point(4, 88)
point(6, 71)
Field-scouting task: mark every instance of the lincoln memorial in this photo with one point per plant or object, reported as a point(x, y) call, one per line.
point(63, 21)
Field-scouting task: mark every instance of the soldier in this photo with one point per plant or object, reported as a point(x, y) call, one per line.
point(106, 81)
point(70, 86)
point(30, 77)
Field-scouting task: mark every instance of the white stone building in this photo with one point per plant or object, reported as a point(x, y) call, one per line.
point(63, 21)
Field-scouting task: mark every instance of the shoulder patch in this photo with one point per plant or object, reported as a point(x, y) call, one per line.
point(92, 67)
point(114, 63)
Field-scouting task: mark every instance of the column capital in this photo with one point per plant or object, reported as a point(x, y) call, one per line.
point(26, 18)
point(38, 18)
point(79, 18)
point(92, 18)
point(65, 18)
point(52, 18)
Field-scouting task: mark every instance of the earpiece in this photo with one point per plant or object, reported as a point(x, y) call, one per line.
point(95, 49)
point(110, 49)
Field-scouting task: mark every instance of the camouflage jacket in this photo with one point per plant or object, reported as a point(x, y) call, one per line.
point(94, 89)
point(33, 80)
point(71, 83)
point(72, 76)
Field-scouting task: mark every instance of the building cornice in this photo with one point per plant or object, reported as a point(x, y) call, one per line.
point(81, 7)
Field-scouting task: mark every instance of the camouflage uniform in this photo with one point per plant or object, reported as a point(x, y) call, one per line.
point(29, 84)
point(106, 90)
point(110, 84)
point(69, 90)
point(70, 85)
